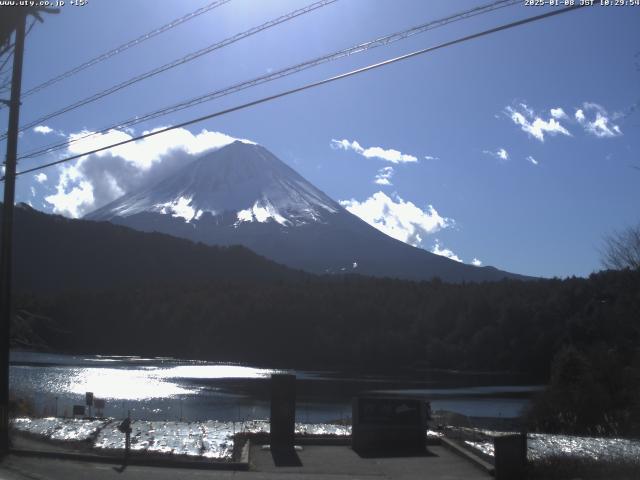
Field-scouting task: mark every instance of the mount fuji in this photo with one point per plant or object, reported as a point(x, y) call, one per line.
point(243, 194)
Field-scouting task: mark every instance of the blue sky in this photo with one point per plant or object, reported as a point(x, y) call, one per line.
point(516, 150)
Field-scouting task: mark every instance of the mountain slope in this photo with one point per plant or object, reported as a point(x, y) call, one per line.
point(243, 179)
point(243, 194)
point(53, 253)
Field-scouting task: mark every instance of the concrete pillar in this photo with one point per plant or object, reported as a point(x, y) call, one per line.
point(283, 411)
point(510, 456)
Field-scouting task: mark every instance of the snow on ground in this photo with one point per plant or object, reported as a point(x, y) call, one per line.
point(208, 439)
point(69, 429)
point(542, 445)
point(214, 439)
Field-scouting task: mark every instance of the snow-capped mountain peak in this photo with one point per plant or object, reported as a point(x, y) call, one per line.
point(242, 181)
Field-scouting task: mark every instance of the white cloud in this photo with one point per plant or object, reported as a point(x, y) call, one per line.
point(93, 181)
point(534, 125)
point(144, 153)
point(383, 177)
point(71, 202)
point(390, 155)
point(476, 263)
point(40, 177)
point(600, 125)
point(431, 157)
point(438, 249)
point(594, 119)
point(401, 220)
point(500, 154)
point(532, 160)
point(43, 129)
point(33, 192)
point(528, 110)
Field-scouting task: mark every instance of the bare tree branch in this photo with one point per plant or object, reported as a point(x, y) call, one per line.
point(622, 249)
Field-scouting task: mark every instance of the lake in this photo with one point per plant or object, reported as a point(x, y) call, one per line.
point(173, 389)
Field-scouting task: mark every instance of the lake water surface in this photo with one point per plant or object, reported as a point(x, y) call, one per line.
point(171, 389)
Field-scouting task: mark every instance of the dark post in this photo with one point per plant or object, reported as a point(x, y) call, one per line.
point(283, 411)
point(7, 232)
point(125, 427)
point(510, 456)
point(88, 399)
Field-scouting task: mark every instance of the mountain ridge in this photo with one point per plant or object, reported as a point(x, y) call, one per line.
point(243, 194)
point(54, 253)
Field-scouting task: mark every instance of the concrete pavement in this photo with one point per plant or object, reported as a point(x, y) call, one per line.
point(318, 463)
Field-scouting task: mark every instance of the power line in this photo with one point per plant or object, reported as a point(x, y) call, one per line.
point(6, 60)
point(180, 61)
point(361, 47)
point(125, 46)
point(7, 48)
point(311, 85)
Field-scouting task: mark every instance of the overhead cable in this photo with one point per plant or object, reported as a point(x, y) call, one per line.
point(358, 48)
point(125, 46)
point(180, 61)
point(311, 85)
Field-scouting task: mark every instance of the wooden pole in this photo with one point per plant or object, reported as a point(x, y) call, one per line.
point(6, 247)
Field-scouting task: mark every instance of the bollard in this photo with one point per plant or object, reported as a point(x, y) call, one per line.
point(283, 411)
point(510, 456)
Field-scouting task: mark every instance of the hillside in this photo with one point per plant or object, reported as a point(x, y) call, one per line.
point(54, 253)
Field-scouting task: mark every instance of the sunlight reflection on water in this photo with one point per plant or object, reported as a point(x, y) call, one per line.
point(214, 371)
point(115, 383)
point(138, 383)
point(157, 389)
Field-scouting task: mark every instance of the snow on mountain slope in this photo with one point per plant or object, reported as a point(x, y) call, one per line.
point(244, 179)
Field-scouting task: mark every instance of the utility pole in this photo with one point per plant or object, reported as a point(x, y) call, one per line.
point(6, 248)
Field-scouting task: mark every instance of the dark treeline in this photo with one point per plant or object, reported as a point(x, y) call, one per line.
point(352, 322)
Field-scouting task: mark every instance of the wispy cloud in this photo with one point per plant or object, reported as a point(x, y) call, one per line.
point(592, 117)
point(431, 157)
point(40, 177)
point(438, 249)
point(389, 155)
point(500, 154)
point(600, 124)
point(43, 129)
point(93, 181)
point(384, 175)
point(534, 125)
point(397, 218)
point(476, 263)
point(532, 160)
